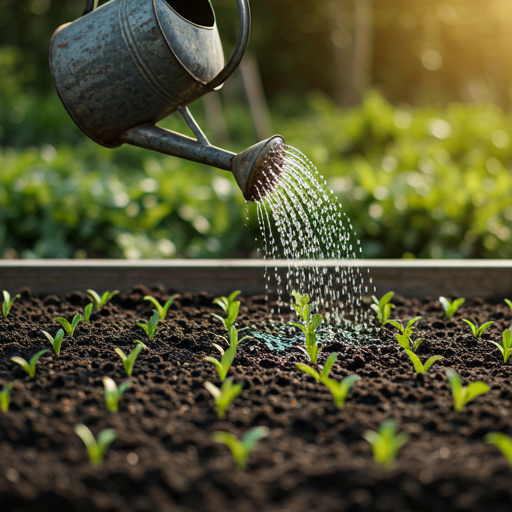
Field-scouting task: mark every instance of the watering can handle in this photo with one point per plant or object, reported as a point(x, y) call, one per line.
point(90, 6)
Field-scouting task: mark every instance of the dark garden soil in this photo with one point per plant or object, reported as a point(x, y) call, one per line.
point(315, 457)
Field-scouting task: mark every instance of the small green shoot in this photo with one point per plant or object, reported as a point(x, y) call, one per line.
point(129, 361)
point(225, 395)
point(100, 301)
point(150, 326)
point(231, 308)
point(506, 349)
point(96, 448)
point(503, 443)
point(7, 305)
point(228, 355)
point(418, 365)
point(386, 443)
point(383, 307)
point(87, 312)
point(162, 310)
point(509, 302)
point(70, 327)
point(404, 339)
point(5, 397)
point(241, 449)
point(477, 331)
point(29, 367)
point(462, 395)
point(450, 307)
point(57, 341)
point(113, 393)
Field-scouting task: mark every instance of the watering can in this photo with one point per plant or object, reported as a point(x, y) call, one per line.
point(123, 67)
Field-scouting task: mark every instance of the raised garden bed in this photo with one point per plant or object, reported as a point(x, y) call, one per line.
point(315, 456)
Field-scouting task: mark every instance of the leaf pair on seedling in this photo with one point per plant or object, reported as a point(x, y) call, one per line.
point(310, 326)
point(57, 341)
point(477, 331)
point(113, 393)
point(404, 339)
point(224, 395)
point(129, 360)
point(70, 327)
point(7, 304)
point(5, 397)
point(383, 307)
point(162, 310)
point(228, 355)
point(96, 449)
point(450, 308)
point(231, 307)
point(462, 395)
point(506, 348)
point(30, 366)
point(386, 443)
point(418, 365)
point(98, 301)
point(159, 315)
point(339, 389)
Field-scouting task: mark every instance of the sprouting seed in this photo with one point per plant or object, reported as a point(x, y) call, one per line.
point(450, 307)
point(113, 393)
point(87, 312)
point(339, 389)
point(57, 341)
point(241, 449)
point(404, 339)
point(129, 361)
point(7, 305)
point(506, 349)
point(503, 443)
point(150, 326)
point(224, 364)
point(418, 365)
point(462, 395)
point(162, 310)
point(100, 301)
point(509, 302)
point(386, 443)
point(5, 397)
point(383, 307)
point(477, 331)
point(231, 308)
point(96, 448)
point(29, 367)
point(224, 395)
point(70, 327)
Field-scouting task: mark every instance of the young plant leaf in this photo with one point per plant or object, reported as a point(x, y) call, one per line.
point(340, 389)
point(100, 301)
point(57, 341)
point(506, 348)
point(231, 308)
point(70, 327)
point(87, 312)
point(96, 448)
point(225, 395)
point(418, 365)
point(162, 310)
point(509, 303)
point(225, 302)
point(462, 395)
point(30, 366)
point(503, 443)
point(383, 307)
point(7, 304)
point(385, 443)
point(129, 361)
point(5, 397)
point(150, 326)
point(113, 393)
point(450, 308)
point(477, 331)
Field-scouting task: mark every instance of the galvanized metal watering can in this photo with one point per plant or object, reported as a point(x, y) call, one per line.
point(123, 67)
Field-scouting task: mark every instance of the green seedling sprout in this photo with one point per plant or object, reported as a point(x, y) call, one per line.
point(386, 443)
point(150, 326)
point(70, 327)
point(100, 301)
point(462, 395)
point(57, 341)
point(503, 443)
point(87, 312)
point(339, 389)
point(404, 339)
point(113, 393)
point(162, 310)
point(7, 305)
point(477, 331)
point(96, 448)
point(418, 365)
point(450, 307)
point(225, 395)
point(241, 449)
point(231, 308)
point(228, 355)
point(311, 324)
point(129, 361)
point(509, 303)
point(383, 307)
point(506, 349)
point(5, 397)
point(29, 367)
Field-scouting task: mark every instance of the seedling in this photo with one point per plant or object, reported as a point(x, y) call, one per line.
point(462, 395)
point(7, 305)
point(477, 331)
point(70, 327)
point(502, 442)
point(57, 341)
point(311, 324)
point(506, 349)
point(162, 310)
point(129, 361)
point(339, 389)
point(29, 367)
point(100, 301)
point(383, 307)
point(509, 302)
point(225, 395)
point(228, 355)
point(87, 312)
point(241, 449)
point(5, 397)
point(386, 443)
point(404, 339)
point(113, 393)
point(231, 307)
point(418, 365)
point(450, 307)
point(96, 448)
point(150, 326)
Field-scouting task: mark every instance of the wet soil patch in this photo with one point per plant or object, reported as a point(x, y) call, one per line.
point(315, 457)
